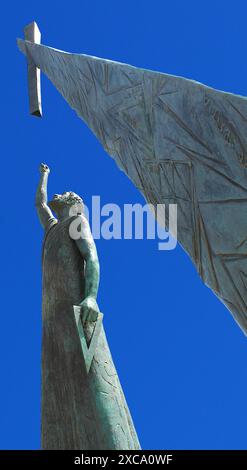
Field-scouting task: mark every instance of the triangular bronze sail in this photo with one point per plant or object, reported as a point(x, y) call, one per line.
point(179, 142)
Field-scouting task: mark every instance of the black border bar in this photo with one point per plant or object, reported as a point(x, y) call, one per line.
point(109, 459)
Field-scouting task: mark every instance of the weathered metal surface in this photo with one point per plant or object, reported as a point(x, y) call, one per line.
point(88, 350)
point(83, 405)
point(179, 142)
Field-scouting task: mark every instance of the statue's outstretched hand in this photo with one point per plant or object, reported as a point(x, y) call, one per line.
point(43, 168)
point(89, 309)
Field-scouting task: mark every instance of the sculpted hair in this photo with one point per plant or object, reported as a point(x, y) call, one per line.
point(69, 198)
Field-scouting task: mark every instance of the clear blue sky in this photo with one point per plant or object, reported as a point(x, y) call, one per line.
point(181, 358)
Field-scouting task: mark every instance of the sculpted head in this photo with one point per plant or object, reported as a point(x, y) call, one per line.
point(68, 203)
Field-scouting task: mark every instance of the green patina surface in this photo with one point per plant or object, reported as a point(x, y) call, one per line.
point(83, 405)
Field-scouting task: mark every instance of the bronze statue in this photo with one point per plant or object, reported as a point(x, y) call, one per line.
point(83, 405)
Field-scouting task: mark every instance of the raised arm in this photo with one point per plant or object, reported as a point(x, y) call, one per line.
point(44, 212)
point(88, 251)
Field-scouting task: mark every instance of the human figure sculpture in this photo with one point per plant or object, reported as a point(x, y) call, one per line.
point(81, 408)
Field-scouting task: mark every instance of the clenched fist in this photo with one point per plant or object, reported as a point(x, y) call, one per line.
point(44, 168)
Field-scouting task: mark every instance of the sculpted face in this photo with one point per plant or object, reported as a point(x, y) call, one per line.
point(65, 201)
